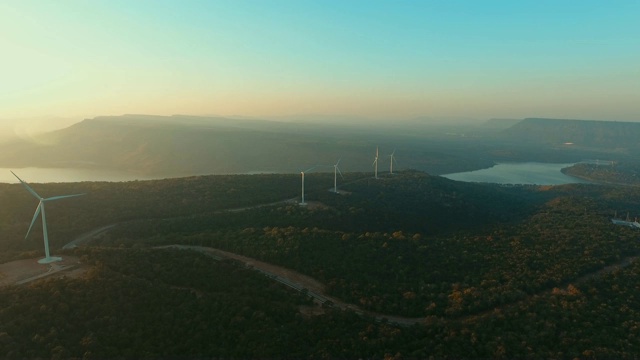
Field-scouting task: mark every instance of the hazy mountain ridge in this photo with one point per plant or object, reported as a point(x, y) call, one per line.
point(179, 145)
point(187, 145)
point(583, 133)
point(153, 144)
point(500, 123)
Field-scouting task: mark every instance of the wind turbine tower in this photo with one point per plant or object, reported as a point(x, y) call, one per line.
point(375, 164)
point(302, 198)
point(40, 209)
point(302, 173)
point(392, 157)
point(336, 170)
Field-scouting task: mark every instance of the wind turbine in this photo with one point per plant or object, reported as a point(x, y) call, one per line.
point(375, 163)
point(40, 209)
point(336, 170)
point(392, 157)
point(302, 172)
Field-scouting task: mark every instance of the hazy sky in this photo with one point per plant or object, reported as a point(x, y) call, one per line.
point(389, 59)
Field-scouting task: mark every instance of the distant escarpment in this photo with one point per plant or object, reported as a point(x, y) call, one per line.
point(169, 146)
point(611, 135)
point(500, 124)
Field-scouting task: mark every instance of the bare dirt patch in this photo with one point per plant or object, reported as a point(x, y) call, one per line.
point(316, 205)
point(75, 273)
point(309, 311)
point(24, 271)
point(308, 282)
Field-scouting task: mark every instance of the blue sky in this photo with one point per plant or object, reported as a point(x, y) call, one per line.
point(265, 58)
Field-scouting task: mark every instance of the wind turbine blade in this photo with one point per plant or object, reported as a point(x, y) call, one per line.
point(14, 174)
point(26, 186)
point(374, 161)
point(339, 172)
point(61, 197)
point(338, 161)
point(394, 151)
point(35, 217)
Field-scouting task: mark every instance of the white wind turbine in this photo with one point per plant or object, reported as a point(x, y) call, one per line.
point(40, 209)
point(302, 172)
point(392, 157)
point(375, 163)
point(336, 171)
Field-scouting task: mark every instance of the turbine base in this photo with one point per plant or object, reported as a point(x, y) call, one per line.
point(49, 260)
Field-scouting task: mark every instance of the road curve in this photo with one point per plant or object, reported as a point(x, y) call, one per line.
point(87, 236)
point(297, 281)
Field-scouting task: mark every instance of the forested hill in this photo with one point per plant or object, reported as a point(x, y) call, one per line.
point(581, 133)
point(418, 202)
point(410, 201)
point(491, 271)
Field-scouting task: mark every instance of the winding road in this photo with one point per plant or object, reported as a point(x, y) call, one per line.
point(297, 281)
point(316, 289)
point(87, 236)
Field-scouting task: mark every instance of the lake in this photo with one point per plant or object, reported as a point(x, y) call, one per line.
point(519, 173)
point(49, 175)
point(504, 173)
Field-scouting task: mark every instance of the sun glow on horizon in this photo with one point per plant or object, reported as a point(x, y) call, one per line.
point(274, 58)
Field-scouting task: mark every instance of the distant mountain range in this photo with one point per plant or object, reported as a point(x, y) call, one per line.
point(190, 145)
point(155, 145)
point(500, 123)
point(609, 135)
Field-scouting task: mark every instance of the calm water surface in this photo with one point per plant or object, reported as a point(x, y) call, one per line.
point(505, 173)
point(519, 173)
